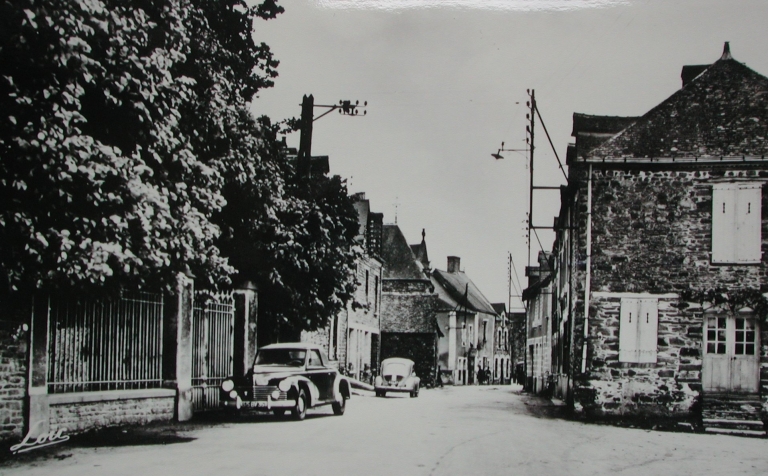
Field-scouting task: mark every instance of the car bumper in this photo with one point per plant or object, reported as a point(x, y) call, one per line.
point(379, 388)
point(265, 405)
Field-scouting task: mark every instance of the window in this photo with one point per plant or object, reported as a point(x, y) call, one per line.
point(470, 335)
point(376, 294)
point(464, 335)
point(366, 285)
point(314, 359)
point(736, 223)
point(638, 330)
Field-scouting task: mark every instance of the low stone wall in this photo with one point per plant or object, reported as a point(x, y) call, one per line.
point(14, 348)
point(13, 379)
point(79, 412)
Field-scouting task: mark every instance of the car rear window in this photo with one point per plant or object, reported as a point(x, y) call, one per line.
point(395, 368)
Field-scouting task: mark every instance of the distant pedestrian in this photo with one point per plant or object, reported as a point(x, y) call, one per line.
point(439, 379)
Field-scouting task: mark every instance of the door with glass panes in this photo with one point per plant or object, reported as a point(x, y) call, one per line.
point(731, 361)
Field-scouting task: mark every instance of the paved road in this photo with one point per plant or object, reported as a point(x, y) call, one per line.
point(456, 430)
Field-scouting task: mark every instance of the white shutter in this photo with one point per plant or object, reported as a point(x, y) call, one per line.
point(648, 325)
point(628, 338)
point(723, 223)
point(748, 237)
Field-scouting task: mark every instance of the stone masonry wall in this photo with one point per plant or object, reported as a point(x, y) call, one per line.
point(670, 386)
point(13, 380)
point(78, 417)
point(651, 233)
point(408, 312)
point(14, 346)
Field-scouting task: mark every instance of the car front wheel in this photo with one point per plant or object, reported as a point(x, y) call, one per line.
point(415, 392)
point(299, 410)
point(339, 407)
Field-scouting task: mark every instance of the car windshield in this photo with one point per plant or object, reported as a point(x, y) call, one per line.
point(292, 357)
point(395, 368)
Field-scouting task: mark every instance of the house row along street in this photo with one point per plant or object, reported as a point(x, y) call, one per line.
point(486, 430)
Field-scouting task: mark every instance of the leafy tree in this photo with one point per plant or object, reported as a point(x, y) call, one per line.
point(99, 185)
point(114, 125)
point(129, 155)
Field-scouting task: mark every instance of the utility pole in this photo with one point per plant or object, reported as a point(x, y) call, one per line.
point(305, 140)
point(345, 107)
point(531, 147)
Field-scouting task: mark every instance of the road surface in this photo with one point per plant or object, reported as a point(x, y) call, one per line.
point(488, 430)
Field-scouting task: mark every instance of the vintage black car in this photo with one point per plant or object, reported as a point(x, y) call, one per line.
point(284, 377)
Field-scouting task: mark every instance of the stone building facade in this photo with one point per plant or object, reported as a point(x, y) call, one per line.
point(661, 238)
point(353, 338)
point(408, 304)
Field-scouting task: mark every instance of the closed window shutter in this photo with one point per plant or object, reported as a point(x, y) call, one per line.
point(723, 223)
point(748, 223)
point(648, 327)
point(628, 338)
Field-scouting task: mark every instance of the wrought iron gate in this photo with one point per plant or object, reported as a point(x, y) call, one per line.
point(212, 346)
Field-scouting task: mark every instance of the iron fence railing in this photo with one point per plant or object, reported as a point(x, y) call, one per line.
point(212, 346)
point(105, 344)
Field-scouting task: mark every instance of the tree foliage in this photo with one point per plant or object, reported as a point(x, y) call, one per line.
point(100, 184)
point(732, 300)
point(129, 155)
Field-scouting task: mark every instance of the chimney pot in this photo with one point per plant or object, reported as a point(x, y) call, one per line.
point(453, 264)
point(726, 51)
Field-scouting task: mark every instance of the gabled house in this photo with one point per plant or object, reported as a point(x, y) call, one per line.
point(408, 304)
point(658, 270)
point(466, 320)
point(502, 350)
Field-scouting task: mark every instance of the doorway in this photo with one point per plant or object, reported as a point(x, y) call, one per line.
point(731, 360)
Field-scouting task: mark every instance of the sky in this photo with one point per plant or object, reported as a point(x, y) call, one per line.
point(446, 83)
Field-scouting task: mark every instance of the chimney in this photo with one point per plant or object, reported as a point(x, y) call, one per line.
point(453, 264)
point(726, 52)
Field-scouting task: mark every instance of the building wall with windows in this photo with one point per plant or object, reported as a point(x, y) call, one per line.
point(658, 272)
point(655, 236)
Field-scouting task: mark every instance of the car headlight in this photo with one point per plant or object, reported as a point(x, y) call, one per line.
point(276, 395)
point(233, 394)
point(227, 385)
point(284, 385)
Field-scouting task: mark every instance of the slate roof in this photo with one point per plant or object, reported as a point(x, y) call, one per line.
point(499, 307)
point(451, 292)
point(722, 112)
point(399, 260)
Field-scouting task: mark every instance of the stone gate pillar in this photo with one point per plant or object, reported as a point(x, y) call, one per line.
point(246, 315)
point(177, 345)
point(38, 418)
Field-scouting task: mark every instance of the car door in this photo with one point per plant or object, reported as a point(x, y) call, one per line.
point(320, 375)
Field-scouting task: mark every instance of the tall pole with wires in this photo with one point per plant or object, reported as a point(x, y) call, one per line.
point(531, 103)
